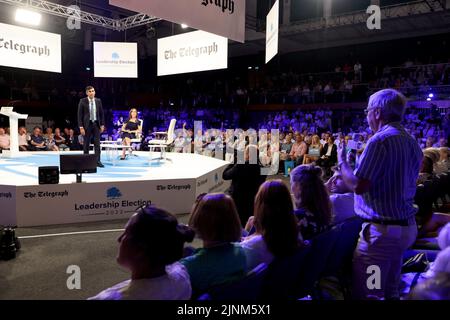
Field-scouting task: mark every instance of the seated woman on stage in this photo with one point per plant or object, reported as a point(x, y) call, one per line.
point(130, 129)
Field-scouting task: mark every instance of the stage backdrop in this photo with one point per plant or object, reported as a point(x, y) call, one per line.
point(29, 49)
point(192, 51)
point(222, 17)
point(115, 60)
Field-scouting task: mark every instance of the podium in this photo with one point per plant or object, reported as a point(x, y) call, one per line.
point(13, 131)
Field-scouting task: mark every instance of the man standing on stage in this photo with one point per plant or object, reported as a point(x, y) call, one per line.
point(91, 121)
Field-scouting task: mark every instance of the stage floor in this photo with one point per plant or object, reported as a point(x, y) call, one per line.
point(23, 171)
point(114, 192)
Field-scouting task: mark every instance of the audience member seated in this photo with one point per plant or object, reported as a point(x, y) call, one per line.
point(149, 247)
point(216, 222)
point(328, 156)
point(72, 141)
point(245, 179)
point(313, 206)
point(314, 150)
point(4, 139)
point(299, 149)
point(131, 129)
point(60, 140)
point(276, 232)
point(24, 139)
point(426, 169)
point(341, 197)
point(443, 165)
point(37, 141)
point(440, 265)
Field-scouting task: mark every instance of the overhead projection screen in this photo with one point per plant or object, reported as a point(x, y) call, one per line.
point(29, 49)
point(272, 27)
point(192, 52)
point(225, 17)
point(115, 60)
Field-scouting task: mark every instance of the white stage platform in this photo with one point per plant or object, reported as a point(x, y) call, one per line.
point(114, 192)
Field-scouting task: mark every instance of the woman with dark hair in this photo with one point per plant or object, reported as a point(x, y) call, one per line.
point(131, 129)
point(328, 154)
point(215, 220)
point(276, 228)
point(312, 201)
point(149, 247)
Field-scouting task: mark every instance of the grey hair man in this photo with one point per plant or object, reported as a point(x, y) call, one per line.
point(384, 183)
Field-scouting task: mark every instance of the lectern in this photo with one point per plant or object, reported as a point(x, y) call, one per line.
point(13, 131)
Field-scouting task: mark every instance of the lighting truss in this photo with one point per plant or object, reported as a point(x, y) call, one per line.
point(85, 17)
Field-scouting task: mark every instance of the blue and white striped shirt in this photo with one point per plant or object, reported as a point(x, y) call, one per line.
point(391, 162)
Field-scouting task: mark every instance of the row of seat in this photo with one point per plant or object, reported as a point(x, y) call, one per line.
point(291, 278)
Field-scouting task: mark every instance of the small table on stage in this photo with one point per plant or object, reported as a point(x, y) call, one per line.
point(112, 150)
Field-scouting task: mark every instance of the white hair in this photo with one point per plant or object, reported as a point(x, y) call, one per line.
point(444, 237)
point(391, 102)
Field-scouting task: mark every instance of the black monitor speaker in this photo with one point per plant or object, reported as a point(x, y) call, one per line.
point(48, 175)
point(78, 164)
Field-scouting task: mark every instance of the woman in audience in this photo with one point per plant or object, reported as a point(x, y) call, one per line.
point(313, 206)
point(314, 150)
point(275, 224)
point(131, 129)
point(442, 166)
point(426, 170)
point(215, 220)
point(149, 247)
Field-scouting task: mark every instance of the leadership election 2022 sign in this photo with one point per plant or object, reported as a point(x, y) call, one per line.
point(115, 60)
point(222, 17)
point(272, 27)
point(191, 52)
point(29, 49)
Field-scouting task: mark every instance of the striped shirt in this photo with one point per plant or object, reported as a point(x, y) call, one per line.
point(391, 162)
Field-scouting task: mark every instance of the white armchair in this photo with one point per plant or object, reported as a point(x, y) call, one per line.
point(162, 144)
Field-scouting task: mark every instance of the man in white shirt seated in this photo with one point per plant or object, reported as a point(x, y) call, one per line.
point(4, 139)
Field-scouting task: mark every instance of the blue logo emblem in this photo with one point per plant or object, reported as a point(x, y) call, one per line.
point(113, 193)
point(115, 56)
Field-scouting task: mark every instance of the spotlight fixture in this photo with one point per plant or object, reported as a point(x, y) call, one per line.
point(431, 95)
point(28, 17)
point(184, 26)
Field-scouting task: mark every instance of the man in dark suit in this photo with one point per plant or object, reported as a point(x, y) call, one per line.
point(91, 121)
point(329, 154)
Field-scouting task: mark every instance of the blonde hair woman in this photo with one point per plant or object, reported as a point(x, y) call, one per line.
point(314, 150)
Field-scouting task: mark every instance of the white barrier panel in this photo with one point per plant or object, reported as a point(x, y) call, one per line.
point(222, 17)
point(39, 205)
point(115, 60)
point(272, 27)
point(29, 49)
point(191, 52)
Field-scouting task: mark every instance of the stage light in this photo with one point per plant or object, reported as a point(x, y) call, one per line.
point(28, 17)
point(184, 26)
point(431, 95)
point(428, 99)
point(249, 68)
point(88, 69)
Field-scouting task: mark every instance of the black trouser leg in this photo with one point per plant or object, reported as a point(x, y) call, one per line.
point(87, 138)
